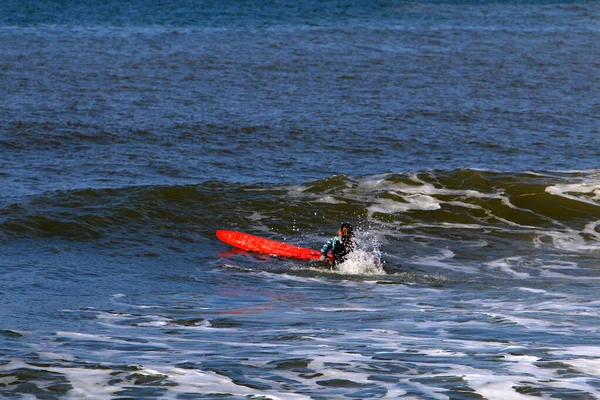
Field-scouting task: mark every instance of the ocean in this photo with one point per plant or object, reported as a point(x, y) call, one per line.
point(460, 138)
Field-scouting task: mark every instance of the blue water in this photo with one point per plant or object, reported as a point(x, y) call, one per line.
point(460, 137)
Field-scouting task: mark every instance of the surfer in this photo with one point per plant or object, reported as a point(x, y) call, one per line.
point(339, 246)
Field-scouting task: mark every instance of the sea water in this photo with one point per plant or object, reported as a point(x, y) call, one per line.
point(461, 138)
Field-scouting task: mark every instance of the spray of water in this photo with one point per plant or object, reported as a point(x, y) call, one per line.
point(365, 259)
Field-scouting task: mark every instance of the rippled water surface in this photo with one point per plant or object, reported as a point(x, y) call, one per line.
point(461, 138)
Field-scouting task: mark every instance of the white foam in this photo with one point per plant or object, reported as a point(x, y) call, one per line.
point(84, 336)
point(586, 365)
point(153, 323)
point(430, 392)
point(443, 353)
point(89, 383)
point(347, 309)
point(537, 291)
point(9, 381)
point(14, 364)
point(422, 187)
point(506, 265)
point(439, 261)
point(388, 206)
point(591, 351)
point(56, 356)
point(558, 275)
point(573, 241)
point(103, 338)
point(329, 200)
point(560, 264)
point(592, 229)
point(360, 262)
point(464, 205)
point(323, 361)
point(93, 383)
point(491, 386)
point(580, 188)
point(210, 383)
point(418, 201)
point(415, 197)
point(535, 324)
point(375, 182)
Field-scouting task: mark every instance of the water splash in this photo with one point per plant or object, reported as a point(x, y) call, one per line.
point(366, 259)
point(361, 262)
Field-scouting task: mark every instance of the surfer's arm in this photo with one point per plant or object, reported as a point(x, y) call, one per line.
point(327, 248)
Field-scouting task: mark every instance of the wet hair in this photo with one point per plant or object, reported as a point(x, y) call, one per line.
point(347, 234)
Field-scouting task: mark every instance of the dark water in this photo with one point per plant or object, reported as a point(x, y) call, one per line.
point(461, 138)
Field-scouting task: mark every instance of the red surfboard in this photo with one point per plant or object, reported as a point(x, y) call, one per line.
point(258, 244)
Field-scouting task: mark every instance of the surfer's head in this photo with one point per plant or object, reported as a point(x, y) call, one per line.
point(346, 231)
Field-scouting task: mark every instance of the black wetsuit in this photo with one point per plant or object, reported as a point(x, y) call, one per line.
point(337, 248)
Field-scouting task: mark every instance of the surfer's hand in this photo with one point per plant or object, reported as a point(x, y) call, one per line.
point(326, 259)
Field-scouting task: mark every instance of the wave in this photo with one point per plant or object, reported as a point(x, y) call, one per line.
point(559, 209)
